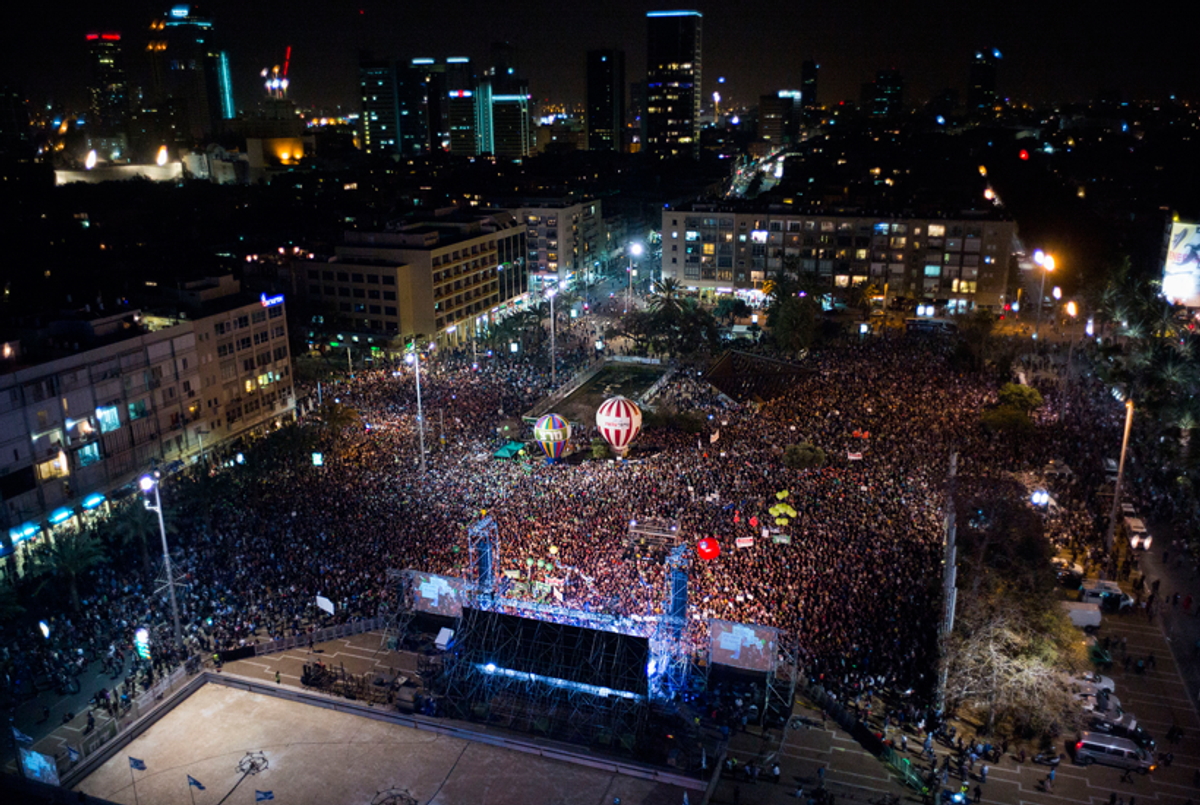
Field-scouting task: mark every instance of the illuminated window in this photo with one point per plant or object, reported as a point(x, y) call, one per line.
point(109, 418)
point(55, 468)
point(933, 271)
point(89, 454)
point(137, 410)
point(937, 231)
point(710, 248)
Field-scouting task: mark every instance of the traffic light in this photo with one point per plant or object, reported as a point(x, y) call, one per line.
point(1024, 155)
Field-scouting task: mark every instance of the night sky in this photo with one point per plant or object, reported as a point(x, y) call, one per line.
point(757, 46)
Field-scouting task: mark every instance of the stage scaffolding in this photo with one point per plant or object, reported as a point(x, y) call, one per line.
point(652, 537)
point(396, 607)
point(781, 682)
point(575, 683)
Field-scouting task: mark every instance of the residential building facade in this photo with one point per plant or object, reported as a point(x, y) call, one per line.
point(717, 249)
point(444, 277)
point(565, 238)
point(77, 430)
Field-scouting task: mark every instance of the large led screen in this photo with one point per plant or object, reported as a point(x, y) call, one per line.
point(751, 648)
point(1181, 272)
point(439, 595)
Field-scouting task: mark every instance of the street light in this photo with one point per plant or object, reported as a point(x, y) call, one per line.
point(148, 484)
point(414, 357)
point(635, 250)
point(1116, 504)
point(550, 294)
point(1046, 261)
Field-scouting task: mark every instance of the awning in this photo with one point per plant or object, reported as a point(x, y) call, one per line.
point(510, 450)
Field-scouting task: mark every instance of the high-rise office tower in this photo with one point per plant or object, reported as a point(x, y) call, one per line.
point(673, 87)
point(380, 106)
point(511, 121)
point(189, 67)
point(981, 94)
point(775, 117)
point(808, 90)
point(108, 89)
point(886, 94)
point(394, 114)
point(605, 99)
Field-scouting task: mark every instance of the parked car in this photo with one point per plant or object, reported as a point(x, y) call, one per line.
point(1099, 657)
point(1109, 750)
point(1083, 616)
point(1124, 727)
point(1101, 703)
point(1098, 681)
point(1069, 574)
point(1107, 594)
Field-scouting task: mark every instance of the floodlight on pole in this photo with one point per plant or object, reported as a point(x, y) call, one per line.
point(148, 484)
point(1046, 261)
point(550, 294)
point(635, 250)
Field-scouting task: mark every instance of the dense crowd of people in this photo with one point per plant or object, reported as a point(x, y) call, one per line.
point(853, 582)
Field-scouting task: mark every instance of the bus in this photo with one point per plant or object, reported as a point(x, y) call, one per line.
point(922, 326)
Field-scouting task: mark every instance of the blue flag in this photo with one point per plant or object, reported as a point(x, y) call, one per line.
point(73, 754)
point(21, 737)
point(134, 763)
point(192, 781)
point(262, 796)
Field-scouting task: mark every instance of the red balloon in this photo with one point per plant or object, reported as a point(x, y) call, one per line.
point(708, 549)
point(754, 522)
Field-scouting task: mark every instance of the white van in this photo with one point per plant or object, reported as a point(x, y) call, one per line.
point(1109, 750)
point(1107, 594)
point(1139, 537)
point(1084, 616)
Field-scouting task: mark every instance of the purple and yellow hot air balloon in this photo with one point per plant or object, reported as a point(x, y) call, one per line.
point(552, 432)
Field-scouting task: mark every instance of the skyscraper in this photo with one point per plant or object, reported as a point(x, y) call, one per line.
point(886, 94)
point(673, 87)
point(605, 99)
point(380, 106)
point(108, 89)
point(981, 94)
point(188, 67)
point(808, 90)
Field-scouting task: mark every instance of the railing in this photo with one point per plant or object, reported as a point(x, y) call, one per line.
point(141, 714)
point(319, 636)
point(567, 389)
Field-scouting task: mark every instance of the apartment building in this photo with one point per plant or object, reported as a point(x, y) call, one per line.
point(444, 276)
point(565, 237)
point(963, 262)
point(153, 389)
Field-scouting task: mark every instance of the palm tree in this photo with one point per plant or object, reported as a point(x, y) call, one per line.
point(336, 417)
point(137, 524)
point(666, 297)
point(69, 555)
point(9, 606)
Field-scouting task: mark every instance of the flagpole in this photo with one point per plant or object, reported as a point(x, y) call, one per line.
point(193, 793)
point(133, 780)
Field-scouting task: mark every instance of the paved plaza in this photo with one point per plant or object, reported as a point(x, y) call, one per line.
point(320, 757)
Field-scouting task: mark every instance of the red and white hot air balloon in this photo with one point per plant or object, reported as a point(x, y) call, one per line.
point(619, 421)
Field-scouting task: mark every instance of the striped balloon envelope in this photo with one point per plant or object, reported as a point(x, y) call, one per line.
point(619, 421)
point(552, 432)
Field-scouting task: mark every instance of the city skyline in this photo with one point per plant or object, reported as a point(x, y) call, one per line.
point(1046, 55)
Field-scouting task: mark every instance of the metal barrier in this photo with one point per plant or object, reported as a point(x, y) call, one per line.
point(143, 713)
point(319, 636)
